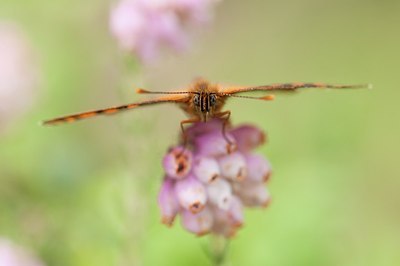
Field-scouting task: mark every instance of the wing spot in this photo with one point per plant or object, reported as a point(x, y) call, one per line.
point(132, 105)
point(87, 115)
point(110, 111)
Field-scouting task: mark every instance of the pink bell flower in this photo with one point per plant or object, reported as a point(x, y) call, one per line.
point(208, 186)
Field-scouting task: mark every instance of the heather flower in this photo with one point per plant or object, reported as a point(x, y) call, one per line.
point(191, 194)
point(216, 184)
point(144, 27)
point(168, 202)
point(206, 169)
point(220, 194)
point(235, 212)
point(212, 143)
point(18, 74)
point(177, 162)
point(233, 166)
point(258, 168)
point(248, 137)
point(223, 224)
point(13, 255)
point(252, 194)
point(198, 223)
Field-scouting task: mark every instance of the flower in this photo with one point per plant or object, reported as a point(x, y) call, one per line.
point(177, 162)
point(18, 74)
point(207, 186)
point(145, 26)
point(13, 255)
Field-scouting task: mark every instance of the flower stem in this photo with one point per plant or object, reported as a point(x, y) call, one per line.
point(217, 250)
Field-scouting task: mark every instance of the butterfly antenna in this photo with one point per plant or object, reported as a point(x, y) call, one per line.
point(143, 91)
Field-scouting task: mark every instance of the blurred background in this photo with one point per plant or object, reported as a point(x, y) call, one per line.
point(85, 193)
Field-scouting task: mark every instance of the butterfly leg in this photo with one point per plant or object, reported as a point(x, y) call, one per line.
point(184, 135)
point(230, 147)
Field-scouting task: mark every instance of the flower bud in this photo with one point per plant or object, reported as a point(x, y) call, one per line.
point(223, 224)
point(177, 162)
point(202, 128)
point(253, 194)
point(233, 166)
point(206, 169)
point(220, 193)
point(191, 194)
point(235, 211)
point(248, 137)
point(167, 202)
point(213, 144)
point(198, 223)
point(258, 168)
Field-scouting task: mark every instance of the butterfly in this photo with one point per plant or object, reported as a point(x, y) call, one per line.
point(202, 101)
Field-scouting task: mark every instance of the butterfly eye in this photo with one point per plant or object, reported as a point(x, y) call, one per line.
point(213, 99)
point(196, 100)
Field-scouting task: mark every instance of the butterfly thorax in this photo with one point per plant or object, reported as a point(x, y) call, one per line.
point(204, 101)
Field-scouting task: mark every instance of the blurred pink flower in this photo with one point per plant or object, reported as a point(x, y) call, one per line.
point(177, 164)
point(144, 27)
point(13, 255)
point(213, 186)
point(18, 74)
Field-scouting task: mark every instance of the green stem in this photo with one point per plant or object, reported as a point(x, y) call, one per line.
point(217, 250)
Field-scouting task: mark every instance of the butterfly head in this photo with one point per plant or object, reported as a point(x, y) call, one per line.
point(205, 104)
point(206, 100)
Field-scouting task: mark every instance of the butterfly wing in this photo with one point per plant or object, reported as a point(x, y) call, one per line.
point(181, 98)
point(289, 87)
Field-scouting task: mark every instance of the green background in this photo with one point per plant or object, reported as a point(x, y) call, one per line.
point(85, 193)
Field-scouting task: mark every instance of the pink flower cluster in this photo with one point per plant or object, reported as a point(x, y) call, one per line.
point(19, 74)
point(208, 186)
point(14, 255)
point(145, 26)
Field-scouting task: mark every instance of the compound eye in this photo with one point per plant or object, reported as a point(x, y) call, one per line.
point(196, 99)
point(213, 99)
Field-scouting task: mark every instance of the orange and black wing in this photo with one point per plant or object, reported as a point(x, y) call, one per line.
point(116, 109)
point(289, 87)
